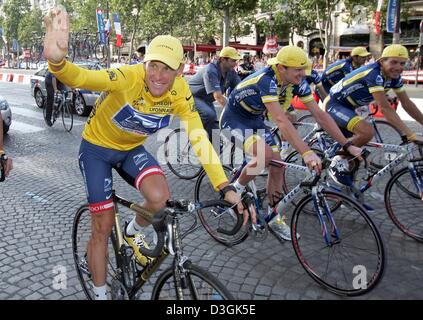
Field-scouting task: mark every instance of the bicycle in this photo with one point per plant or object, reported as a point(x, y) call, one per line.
point(407, 181)
point(126, 278)
point(336, 232)
point(62, 106)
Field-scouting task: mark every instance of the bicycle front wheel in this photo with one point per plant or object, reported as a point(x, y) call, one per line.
point(180, 156)
point(403, 202)
point(67, 117)
point(216, 217)
point(197, 284)
point(353, 263)
point(81, 233)
point(383, 132)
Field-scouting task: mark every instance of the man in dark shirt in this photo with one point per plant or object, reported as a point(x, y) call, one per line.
point(211, 83)
point(52, 85)
point(246, 68)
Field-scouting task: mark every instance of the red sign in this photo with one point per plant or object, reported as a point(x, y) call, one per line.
point(27, 53)
point(271, 45)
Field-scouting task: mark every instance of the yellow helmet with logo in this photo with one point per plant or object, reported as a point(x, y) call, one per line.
point(395, 51)
point(166, 49)
point(290, 56)
point(360, 51)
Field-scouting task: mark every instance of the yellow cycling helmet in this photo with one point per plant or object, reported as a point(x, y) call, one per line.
point(290, 56)
point(395, 51)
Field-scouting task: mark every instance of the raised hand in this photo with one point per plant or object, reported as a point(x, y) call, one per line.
point(57, 34)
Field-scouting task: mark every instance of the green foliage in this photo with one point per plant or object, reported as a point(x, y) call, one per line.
point(31, 28)
point(14, 11)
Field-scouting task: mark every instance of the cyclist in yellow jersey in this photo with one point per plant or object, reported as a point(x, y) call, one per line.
point(137, 101)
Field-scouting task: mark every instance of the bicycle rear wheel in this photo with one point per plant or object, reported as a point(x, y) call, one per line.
point(180, 156)
point(350, 266)
point(384, 132)
point(67, 116)
point(404, 204)
point(199, 284)
point(216, 217)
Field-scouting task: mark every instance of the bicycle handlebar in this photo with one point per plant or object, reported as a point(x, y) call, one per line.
point(162, 219)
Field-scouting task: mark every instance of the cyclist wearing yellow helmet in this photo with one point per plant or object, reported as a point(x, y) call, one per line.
point(339, 69)
point(268, 90)
point(137, 101)
point(369, 83)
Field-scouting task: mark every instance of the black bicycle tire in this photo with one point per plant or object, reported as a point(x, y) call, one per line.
point(309, 269)
point(67, 109)
point(394, 217)
point(77, 217)
point(238, 238)
point(170, 166)
point(196, 271)
point(74, 250)
point(379, 139)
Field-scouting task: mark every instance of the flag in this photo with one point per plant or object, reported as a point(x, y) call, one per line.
point(107, 27)
point(100, 25)
point(118, 30)
point(377, 16)
point(391, 15)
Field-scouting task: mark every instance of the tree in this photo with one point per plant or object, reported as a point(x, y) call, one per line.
point(30, 27)
point(228, 7)
point(14, 11)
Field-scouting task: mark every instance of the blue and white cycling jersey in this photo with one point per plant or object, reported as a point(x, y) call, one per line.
point(356, 89)
point(248, 99)
point(336, 72)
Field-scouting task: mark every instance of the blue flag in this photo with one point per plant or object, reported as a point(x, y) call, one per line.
point(100, 26)
point(391, 15)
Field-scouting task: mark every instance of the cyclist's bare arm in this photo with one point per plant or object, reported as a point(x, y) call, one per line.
point(220, 98)
point(390, 114)
point(410, 107)
point(291, 135)
point(330, 126)
point(322, 91)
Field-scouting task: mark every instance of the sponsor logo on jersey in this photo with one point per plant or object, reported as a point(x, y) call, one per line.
point(130, 120)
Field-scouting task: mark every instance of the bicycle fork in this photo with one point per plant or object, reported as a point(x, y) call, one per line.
point(322, 208)
point(417, 179)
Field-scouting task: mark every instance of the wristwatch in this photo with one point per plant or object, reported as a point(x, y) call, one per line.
point(223, 191)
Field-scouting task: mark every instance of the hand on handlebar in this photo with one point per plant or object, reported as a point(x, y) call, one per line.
point(312, 161)
point(234, 198)
point(415, 139)
point(356, 152)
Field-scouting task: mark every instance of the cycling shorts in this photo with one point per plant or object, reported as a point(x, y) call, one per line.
point(247, 131)
point(345, 117)
point(96, 165)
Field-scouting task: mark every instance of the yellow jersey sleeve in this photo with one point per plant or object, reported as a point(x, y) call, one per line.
point(185, 109)
point(96, 80)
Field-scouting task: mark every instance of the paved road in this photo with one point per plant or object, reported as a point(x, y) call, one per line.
point(39, 200)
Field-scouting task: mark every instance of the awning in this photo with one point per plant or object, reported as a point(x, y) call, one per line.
point(356, 29)
point(213, 48)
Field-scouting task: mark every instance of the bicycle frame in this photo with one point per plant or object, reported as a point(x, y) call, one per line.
point(294, 194)
point(152, 266)
point(405, 152)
